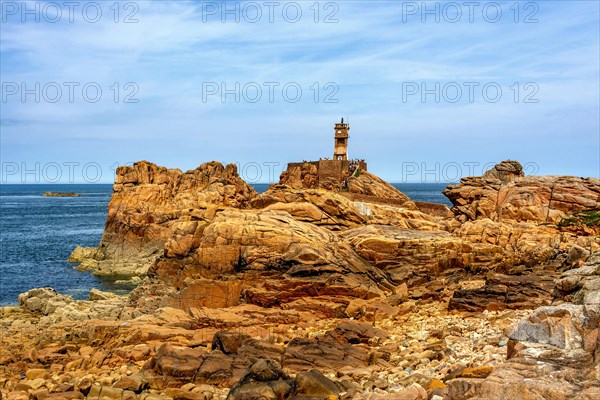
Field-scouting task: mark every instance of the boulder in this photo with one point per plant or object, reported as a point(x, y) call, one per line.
point(369, 184)
point(79, 254)
point(505, 171)
point(354, 332)
point(229, 342)
point(96, 294)
point(134, 383)
point(317, 206)
point(314, 384)
point(265, 380)
point(323, 353)
point(172, 366)
point(43, 300)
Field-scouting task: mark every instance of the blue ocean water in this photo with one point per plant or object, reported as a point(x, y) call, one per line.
point(38, 233)
point(429, 192)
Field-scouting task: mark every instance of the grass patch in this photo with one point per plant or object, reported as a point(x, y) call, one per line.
point(589, 218)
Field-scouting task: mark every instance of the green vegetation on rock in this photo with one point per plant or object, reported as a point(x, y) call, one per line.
point(587, 218)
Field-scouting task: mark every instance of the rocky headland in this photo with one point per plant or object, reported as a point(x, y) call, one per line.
point(307, 291)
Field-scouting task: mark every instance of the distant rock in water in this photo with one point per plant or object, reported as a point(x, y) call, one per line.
point(62, 194)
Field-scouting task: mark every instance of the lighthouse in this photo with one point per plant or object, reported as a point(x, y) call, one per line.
point(340, 149)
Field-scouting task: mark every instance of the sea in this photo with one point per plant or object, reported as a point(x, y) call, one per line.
point(38, 233)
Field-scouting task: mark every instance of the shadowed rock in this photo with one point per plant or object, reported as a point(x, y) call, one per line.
point(552, 353)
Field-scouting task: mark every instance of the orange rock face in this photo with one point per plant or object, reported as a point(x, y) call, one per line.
point(146, 206)
point(306, 176)
point(206, 239)
point(504, 194)
point(263, 257)
point(234, 278)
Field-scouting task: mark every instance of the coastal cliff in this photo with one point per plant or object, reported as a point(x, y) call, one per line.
point(147, 202)
point(205, 238)
point(504, 194)
point(336, 294)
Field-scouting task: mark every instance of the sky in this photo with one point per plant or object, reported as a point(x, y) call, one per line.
point(433, 91)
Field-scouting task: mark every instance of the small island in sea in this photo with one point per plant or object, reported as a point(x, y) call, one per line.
point(62, 194)
point(332, 284)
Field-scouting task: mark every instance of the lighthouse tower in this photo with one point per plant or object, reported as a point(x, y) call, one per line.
point(340, 149)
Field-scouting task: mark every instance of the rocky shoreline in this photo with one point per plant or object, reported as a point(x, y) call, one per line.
point(307, 293)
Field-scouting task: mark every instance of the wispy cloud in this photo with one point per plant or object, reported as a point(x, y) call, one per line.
point(370, 54)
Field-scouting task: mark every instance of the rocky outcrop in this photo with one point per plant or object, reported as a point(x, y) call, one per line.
point(581, 285)
point(317, 206)
point(146, 203)
point(236, 356)
point(212, 242)
point(552, 353)
point(306, 176)
point(340, 211)
point(529, 259)
point(207, 240)
point(368, 184)
point(301, 249)
point(263, 257)
point(53, 307)
point(521, 220)
point(502, 291)
point(302, 291)
point(517, 262)
point(504, 194)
